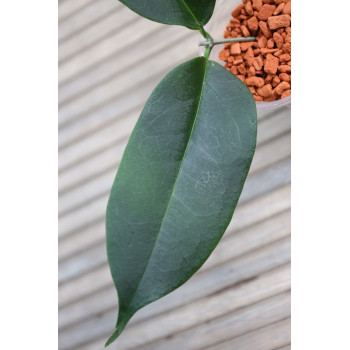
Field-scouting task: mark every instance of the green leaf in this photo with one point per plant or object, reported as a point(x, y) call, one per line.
point(189, 13)
point(178, 183)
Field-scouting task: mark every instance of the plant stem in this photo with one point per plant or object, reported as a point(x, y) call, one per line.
point(210, 42)
point(204, 34)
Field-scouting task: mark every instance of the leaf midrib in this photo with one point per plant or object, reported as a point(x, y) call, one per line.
point(177, 177)
point(191, 12)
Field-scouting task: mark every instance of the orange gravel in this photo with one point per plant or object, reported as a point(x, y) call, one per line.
point(263, 65)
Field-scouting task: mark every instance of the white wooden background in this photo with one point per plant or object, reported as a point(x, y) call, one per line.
point(110, 60)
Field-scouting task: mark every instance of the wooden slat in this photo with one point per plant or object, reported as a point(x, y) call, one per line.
point(91, 14)
point(146, 335)
point(100, 185)
point(256, 186)
point(100, 278)
point(265, 206)
point(82, 288)
point(95, 210)
point(271, 337)
point(108, 65)
point(122, 127)
point(130, 35)
point(103, 157)
point(96, 232)
point(142, 29)
point(93, 33)
point(261, 234)
point(124, 83)
point(107, 160)
point(260, 184)
point(67, 9)
point(83, 190)
point(231, 325)
point(213, 281)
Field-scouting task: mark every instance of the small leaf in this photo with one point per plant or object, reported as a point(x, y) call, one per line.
point(189, 13)
point(178, 183)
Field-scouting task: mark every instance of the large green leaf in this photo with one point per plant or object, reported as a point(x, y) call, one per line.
point(189, 13)
point(178, 183)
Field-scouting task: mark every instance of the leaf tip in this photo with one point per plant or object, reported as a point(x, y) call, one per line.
point(114, 336)
point(122, 321)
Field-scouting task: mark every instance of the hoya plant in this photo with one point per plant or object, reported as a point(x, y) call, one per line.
point(182, 171)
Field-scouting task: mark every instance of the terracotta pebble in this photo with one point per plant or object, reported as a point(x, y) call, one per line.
point(284, 77)
point(266, 11)
point(276, 22)
point(257, 4)
point(253, 23)
point(265, 91)
point(246, 45)
point(271, 64)
point(237, 10)
point(287, 8)
point(248, 8)
point(281, 87)
point(279, 9)
point(263, 65)
point(265, 29)
point(286, 93)
point(255, 81)
point(278, 39)
point(235, 49)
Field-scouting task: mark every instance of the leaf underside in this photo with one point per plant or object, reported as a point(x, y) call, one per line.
point(178, 183)
point(192, 14)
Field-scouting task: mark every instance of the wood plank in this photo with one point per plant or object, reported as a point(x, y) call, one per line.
point(126, 80)
point(266, 180)
point(95, 233)
point(73, 221)
point(83, 190)
point(83, 218)
point(232, 325)
point(255, 262)
point(93, 121)
point(273, 201)
point(277, 123)
point(122, 128)
point(279, 148)
point(191, 315)
point(257, 185)
point(76, 220)
point(270, 337)
point(67, 9)
point(93, 12)
point(107, 47)
point(82, 151)
point(90, 168)
point(80, 242)
point(108, 66)
point(145, 26)
point(85, 39)
point(253, 237)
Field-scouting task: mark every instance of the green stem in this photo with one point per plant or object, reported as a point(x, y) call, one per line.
point(204, 34)
point(210, 42)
